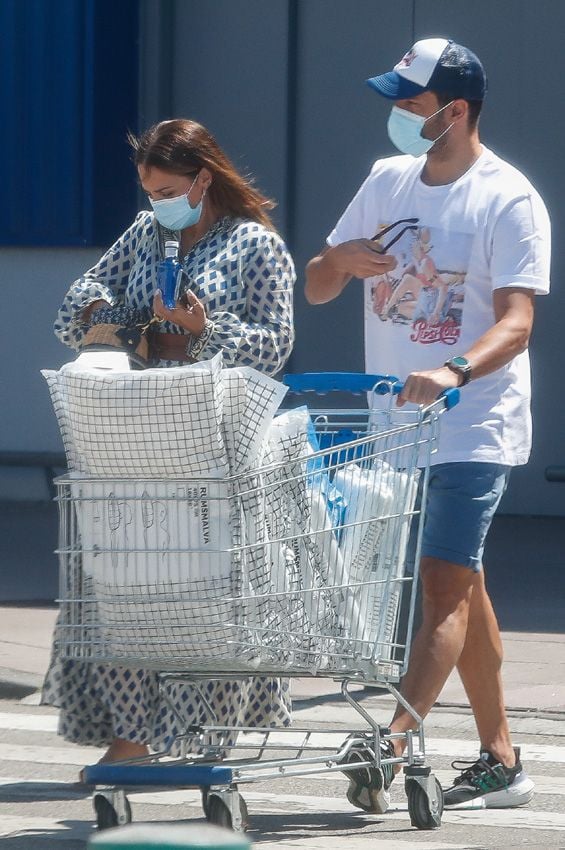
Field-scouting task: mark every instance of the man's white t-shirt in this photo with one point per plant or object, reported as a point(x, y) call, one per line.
point(487, 230)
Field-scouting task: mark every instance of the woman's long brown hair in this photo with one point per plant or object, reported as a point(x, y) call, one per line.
point(181, 146)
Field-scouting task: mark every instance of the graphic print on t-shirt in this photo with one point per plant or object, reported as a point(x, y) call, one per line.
point(426, 290)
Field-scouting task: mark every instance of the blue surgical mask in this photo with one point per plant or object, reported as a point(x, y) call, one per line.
point(405, 131)
point(176, 213)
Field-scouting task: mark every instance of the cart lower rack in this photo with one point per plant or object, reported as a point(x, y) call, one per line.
point(300, 567)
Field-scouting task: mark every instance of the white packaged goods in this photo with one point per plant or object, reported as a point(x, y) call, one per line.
point(379, 503)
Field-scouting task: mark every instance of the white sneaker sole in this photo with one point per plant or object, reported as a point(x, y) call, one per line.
point(518, 794)
point(376, 802)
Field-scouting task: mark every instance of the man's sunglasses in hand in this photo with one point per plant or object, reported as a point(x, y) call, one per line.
point(410, 224)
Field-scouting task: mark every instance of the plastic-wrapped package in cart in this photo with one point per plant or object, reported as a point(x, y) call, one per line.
point(158, 554)
point(380, 501)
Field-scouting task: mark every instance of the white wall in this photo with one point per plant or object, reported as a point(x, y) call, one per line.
point(33, 282)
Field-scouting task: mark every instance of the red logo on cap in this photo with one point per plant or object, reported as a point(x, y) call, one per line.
point(407, 60)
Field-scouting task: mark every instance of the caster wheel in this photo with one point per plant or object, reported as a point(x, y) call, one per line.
point(204, 795)
point(217, 812)
point(421, 815)
point(106, 815)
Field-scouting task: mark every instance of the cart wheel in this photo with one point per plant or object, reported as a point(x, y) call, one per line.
point(106, 815)
point(217, 812)
point(244, 814)
point(421, 815)
point(204, 795)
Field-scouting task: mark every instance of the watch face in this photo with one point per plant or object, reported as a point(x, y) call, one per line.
point(460, 361)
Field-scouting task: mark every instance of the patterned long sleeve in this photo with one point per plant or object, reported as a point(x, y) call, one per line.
point(107, 281)
point(262, 335)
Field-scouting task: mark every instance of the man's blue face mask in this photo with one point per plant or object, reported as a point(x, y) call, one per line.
point(405, 131)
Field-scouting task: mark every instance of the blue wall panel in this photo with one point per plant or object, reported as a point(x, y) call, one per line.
point(40, 165)
point(69, 72)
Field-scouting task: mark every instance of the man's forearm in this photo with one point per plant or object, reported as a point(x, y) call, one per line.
point(507, 338)
point(323, 281)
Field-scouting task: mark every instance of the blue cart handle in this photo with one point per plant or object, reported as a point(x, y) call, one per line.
point(353, 382)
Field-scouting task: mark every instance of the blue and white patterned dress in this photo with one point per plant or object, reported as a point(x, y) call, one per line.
point(244, 276)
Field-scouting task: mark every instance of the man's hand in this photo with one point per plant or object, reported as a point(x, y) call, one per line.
point(426, 387)
point(329, 273)
point(361, 258)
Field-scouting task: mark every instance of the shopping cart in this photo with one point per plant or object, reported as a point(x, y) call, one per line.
point(296, 568)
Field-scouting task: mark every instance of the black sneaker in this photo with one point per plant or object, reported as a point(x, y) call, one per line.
point(488, 784)
point(368, 785)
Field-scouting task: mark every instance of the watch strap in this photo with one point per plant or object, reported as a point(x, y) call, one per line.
point(461, 366)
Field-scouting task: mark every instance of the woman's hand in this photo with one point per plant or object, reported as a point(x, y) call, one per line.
point(188, 313)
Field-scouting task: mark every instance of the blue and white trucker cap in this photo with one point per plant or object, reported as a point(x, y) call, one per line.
point(434, 64)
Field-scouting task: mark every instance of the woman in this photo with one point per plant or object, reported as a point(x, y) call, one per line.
point(237, 300)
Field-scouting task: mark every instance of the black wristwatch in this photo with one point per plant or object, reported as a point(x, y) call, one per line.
point(461, 366)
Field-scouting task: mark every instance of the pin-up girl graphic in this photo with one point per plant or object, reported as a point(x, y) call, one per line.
point(421, 294)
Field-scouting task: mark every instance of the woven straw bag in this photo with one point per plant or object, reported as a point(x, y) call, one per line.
point(135, 342)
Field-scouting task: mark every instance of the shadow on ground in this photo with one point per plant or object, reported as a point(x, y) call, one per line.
point(39, 792)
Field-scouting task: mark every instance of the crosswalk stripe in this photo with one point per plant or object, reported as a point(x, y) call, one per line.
point(72, 755)
point(452, 748)
point(469, 749)
point(29, 722)
point(509, 818)
point(456, 748)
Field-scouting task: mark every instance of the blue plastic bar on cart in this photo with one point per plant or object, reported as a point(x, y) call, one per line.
point(179, 776)
point(353, 382)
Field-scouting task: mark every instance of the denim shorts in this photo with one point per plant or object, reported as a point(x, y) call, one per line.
point(461, 502)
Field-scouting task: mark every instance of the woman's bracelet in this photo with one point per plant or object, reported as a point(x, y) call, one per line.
point(127, 317)
point(196, 344)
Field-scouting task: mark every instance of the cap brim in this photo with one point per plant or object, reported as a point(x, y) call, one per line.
point(395, 87)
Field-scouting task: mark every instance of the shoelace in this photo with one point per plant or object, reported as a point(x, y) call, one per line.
point(477, 773)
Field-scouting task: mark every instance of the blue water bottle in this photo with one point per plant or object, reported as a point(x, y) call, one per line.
point(168, 274)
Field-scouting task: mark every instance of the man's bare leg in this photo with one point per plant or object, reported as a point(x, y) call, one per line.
point(479, 667)
point(446, 598)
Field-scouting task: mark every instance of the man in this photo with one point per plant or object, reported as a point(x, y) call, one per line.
point(488, 233)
